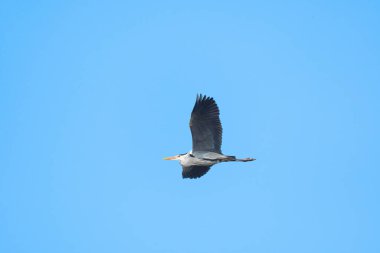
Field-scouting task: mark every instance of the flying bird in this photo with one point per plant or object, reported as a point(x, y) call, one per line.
point(206, 131)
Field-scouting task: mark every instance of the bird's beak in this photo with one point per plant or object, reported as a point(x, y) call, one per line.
point(171, 158)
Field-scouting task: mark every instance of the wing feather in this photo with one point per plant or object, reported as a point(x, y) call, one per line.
point(194, 171)
point(206, 128)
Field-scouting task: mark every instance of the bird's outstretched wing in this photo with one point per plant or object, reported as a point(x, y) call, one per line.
point(205, 125)
point(194, 171)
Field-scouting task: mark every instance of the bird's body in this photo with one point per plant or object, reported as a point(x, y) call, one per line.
point(201, 158)
point(206, 131)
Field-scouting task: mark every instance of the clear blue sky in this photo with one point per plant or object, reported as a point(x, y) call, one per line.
point(94, 93)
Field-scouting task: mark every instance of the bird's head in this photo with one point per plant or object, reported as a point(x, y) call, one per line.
point(176, 157)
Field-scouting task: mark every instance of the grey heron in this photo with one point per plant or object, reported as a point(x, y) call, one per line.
point(206, 131)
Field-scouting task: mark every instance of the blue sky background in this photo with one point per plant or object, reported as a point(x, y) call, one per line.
point(94, 93)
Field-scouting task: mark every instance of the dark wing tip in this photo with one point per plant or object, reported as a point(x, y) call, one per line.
point(203, 98)
point(204, 102)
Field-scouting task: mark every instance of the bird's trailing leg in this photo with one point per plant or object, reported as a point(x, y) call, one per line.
point(245, 159)
point(234, 159)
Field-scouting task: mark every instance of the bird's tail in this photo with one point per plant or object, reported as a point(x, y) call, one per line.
point(234, 159)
